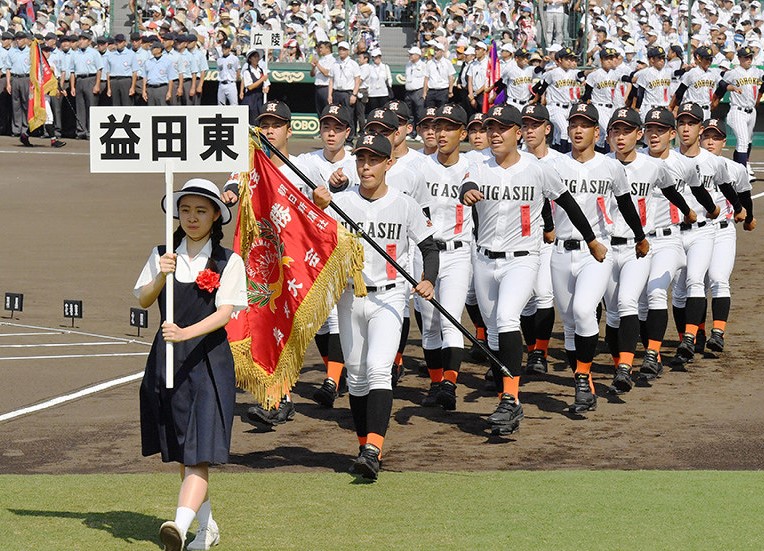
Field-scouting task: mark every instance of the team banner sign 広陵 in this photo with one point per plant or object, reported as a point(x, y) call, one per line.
point(298, 260)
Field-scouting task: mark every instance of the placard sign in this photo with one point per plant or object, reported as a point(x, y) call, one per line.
point(14, 302)
point(72, 309)
point(139, 318)
point(267, 40)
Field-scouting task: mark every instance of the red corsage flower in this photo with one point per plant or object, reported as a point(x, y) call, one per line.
point(207, 280)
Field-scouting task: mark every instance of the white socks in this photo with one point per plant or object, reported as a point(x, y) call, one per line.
point(204, 516)
point(184, 516)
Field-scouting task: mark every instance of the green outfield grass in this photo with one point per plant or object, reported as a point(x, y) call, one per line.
point(557, 510)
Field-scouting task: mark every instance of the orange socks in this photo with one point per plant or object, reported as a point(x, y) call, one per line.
point(511, 385)
point(334, 371)
point(375, 440)
point(436, 375)
point(399, 358)
point(585, 367)
point(542, 345)
point(690, 329)
point(450, 375)
point(480, 333)
point(720, 325)
point(626, 358)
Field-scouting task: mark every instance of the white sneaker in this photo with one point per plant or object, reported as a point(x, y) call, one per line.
point(205, 539)
point(171, 538)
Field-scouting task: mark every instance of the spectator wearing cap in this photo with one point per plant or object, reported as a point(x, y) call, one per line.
point(159, 76)
point(518, 79)
point(380, 82)
point(415, 73)
point(321, 66)
point(477, 79)
point(121, 68)
point(229, 73)
point(17, 67)
point(187, 72)
point(85, 80)
point(699, 83)
point(201, 64)
point(344, 82)
point(439, 79)
point(253, 77)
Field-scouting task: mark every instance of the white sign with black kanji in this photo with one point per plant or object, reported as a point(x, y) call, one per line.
point(194, 139)
point(266, 40)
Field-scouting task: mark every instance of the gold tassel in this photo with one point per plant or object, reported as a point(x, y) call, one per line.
point(359, 285)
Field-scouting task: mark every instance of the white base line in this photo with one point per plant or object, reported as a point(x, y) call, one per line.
point(70, 397)
point(45, 151)
point(63, 344)
point(29, 334)
point(72, 332)
point(73, 356)
point(757, 196)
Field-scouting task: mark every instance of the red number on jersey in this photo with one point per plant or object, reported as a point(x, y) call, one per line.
point(392, 250)
point(525, 220)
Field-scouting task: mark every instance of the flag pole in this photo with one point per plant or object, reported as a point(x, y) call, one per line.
point(169, 358)
point(357, 229)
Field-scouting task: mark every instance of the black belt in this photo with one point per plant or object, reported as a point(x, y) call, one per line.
point(724, 223)
point(493, 255)
point(563, 105)
point(85, 76)
point(156, 85)
point(520, 101)
point(443, 246)
point(570, 244)
point(704, 106)
point(226, 82)
point(608, 105)
point(663, 231)
point(745, 109)
point(373, 289)
point(120, 77)
point(20, 76)
point(685, 227)
point(619, 241)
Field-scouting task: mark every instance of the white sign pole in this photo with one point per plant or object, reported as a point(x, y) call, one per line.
point(169, 358)
point(265, 94)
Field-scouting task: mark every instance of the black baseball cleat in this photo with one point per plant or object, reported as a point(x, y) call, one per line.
point(24, 139)
point(622, 381)
point(716, 341)
point(57, 143)
point(585, 399)
point(326, 393)
point(396, 372)
point(651, 367)
point(537, 363)
point(506, 419)
point(685, 351)
point(366, 465)
point(700, 341)
point(446, 396)
point(431, 400)
point(257, 414)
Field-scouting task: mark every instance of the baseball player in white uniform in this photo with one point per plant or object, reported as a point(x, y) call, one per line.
point(443, 344)
point(745, 84)
point(623, 90)
point(518, 79)
point(600, 90)
point(561, 88)
point(537, 319)
point(370, 325)
point(228, 75)
point(426, 130)
point(652, 83)
point(688, 297)
point(508, 192)
point(712, 139)
point(699, 83)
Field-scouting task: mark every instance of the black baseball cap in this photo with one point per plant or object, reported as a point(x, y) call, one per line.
point(119, 38)
point(704, 52)
point(452, 113)
point(477, 118)
point(567, 51)
point(522, 52)
point(504, 114)
point(135, 36)
point(626, 116)
point(535, 111)
point(171, 36)
point(276, 109)
point(376, 143)
point(337, 112)
point(88, 35)
point(400, 108)
point(50, 36)
point(677, 50)
point(715, 124)
point(585, 110)
point(21, 34)
point(692, 110)
point(156, 44)
point(608, 52)
point(429, 114)
point(226, 45)
point(381, 116)
point(660, 116)
point(746, 51)
point(7, 36)
point(101, 41)
point(656, 51)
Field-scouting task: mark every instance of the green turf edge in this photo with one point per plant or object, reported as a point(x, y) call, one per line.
point(487, 510)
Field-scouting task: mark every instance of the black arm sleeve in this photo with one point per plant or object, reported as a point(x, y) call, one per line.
point(546, 216)
point(232, 186)
point(680, 93)
point(731, 195)
point(630, 215)
point(679, 72)
point(704, 198)
point(539, 88)
point(587, 95)
point(640, 95)
point(426, 211)
point(576, 216)
point(628, 78)
point(761, 89)
point(430, 258)
point(341, 187)
point(468, 186)
point(673, 195)
point(581, 75)
point(721, 89)
point(747, 202)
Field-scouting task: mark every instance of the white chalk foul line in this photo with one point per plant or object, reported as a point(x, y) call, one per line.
point(64, 344)
point(72, 332)
point(44, 151)
point(69, 397)
point(30, 334)
point(757, 196)
point(59, 357)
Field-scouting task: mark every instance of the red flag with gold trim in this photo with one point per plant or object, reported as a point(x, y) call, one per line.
point(298, 260)
point(42, 82)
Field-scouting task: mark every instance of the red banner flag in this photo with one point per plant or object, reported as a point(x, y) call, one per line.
point(492, 75)
point(42, 81)
point(298, 260)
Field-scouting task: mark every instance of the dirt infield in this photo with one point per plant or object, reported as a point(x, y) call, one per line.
point(68, 234)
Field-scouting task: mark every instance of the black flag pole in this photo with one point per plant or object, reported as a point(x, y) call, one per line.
point(357, 229)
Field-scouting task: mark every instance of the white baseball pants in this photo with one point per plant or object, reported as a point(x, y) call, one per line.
point(627, 282)
point(668, 257)
point(722, 260)
point(742, 124)
point(691, 282)
point(543, 294)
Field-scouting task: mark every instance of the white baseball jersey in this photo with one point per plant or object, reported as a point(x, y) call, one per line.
point(452, 220)
point(510, 212)
point(645, 177)
point(700, 85)
point(410, 182)
point(563, 86)
point(749, 80)
point(390, 221)
point(519, 82)
point(712, 172)
point(740, 182)
point(603, 84)
point(656, 85)
point(412, 159)
point(323, 168)
point(594, 185)
point(622, 88)
point(228, 66)
point(478, 155)
point(684, 175)
point(674, 65)
point(233, 180)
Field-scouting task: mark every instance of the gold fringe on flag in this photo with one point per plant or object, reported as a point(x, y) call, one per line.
point(346, 260)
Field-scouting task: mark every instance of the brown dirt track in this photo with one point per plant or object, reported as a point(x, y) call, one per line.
point(70, 234)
